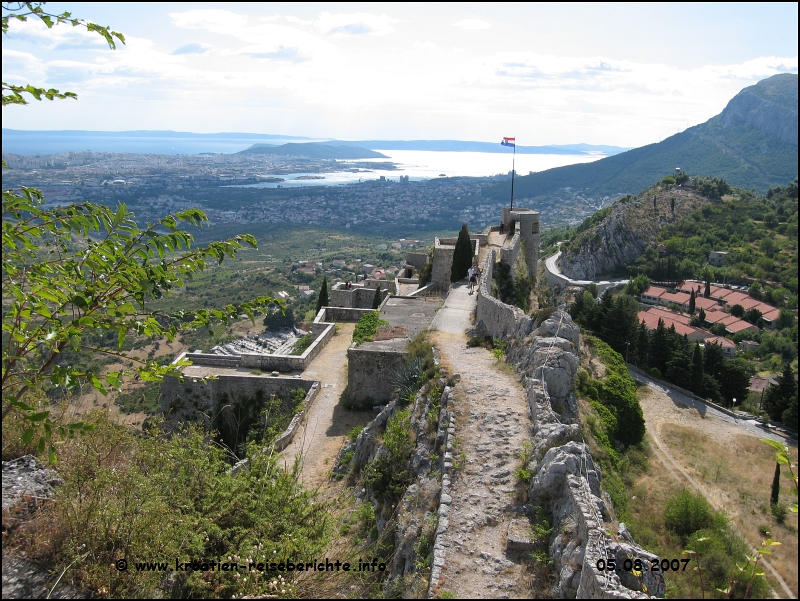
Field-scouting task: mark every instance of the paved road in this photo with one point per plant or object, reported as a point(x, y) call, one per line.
point(752, 426)
point(551, 265)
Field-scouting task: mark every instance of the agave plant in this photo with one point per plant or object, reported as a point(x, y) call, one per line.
point(408, 378)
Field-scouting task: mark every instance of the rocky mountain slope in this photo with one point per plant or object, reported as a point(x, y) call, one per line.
point(631, 225)
point(752, 144)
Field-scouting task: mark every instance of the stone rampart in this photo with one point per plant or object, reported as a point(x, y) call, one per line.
point(510, 252)
point(340, 314)
point(565, 477)
point(360, 296)
point(498, 318)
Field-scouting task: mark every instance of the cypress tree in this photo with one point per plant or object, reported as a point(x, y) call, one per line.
point(376, 300)
point(701, 316)
point(697, 370)
point(643, 347)
point(707, 292)
point(322, 299)
point(462, 256)
point(776, 485)
point(692, 303)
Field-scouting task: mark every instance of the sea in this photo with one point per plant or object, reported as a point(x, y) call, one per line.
point(421, 165)
point(416, 164)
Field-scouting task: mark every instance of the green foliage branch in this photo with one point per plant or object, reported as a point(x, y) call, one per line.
point(20, 11)
point(75, 270)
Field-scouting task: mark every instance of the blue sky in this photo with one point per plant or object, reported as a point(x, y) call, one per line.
point(623, 74)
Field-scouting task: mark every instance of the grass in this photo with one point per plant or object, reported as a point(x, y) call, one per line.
point(739, 472)
point(743, 491)
point(152, 498)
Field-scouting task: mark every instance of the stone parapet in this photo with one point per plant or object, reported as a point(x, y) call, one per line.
point(498, 319)
point(565, 478)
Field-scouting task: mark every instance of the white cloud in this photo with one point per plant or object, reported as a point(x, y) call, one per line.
point(346, 24)
point(472, 24)
point(265, 38)
point(194, 48)
point(425, 46)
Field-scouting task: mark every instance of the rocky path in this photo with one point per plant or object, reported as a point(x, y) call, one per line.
point(491, 425)
point(325, 427)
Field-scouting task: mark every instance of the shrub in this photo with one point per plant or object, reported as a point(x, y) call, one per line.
point(685, 513)
point(353, 434)
point(301, 344)
point(133, 497)
point(367, 327)
point(388, 474)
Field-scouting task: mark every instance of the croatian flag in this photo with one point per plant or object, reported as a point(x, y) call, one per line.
point(508, 142)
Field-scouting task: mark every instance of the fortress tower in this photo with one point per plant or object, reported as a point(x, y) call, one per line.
point(527, 226)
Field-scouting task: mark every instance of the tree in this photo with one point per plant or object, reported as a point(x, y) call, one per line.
point(707, 291)
point(322, 299)
point(70, 271)
point(697, 370)
point(376, 300)
point(737, 311)
point(778, 397)
point(692, 303)
point(776, 486)
point(734, 381)
point(13, 93)
point(753, 316)
point(785, 319)
point(462, 256)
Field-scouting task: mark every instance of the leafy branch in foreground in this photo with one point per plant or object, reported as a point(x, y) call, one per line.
point(86, 268)
point(20, 11)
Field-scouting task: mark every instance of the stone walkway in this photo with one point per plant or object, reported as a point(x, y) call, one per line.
point(325, 427)
point(491, 424)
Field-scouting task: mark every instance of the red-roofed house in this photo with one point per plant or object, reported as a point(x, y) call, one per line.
point(735, 298)
point(653, 294)
point(728, 346)
point(706, 304)
point(650, 321)
point(740, 326)
point(663, 313)
point(679, 298)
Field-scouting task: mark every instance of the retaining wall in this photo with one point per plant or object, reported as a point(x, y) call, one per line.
point(194, 400)
point(566, 479)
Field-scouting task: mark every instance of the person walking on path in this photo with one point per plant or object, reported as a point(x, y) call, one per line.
point(472, 279)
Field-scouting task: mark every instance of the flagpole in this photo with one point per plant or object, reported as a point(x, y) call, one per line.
point(513, 173)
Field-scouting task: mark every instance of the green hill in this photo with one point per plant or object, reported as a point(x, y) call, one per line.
point(759, 232)
point(314, 150)
point(752, 144)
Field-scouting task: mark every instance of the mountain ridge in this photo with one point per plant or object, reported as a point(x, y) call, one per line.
point(746, 144)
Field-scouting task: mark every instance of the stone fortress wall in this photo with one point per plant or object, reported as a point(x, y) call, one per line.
point(360, 295)
point(565, 477)
point(498, 319)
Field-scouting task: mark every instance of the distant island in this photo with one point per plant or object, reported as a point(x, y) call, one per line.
point(315, 150)
point(45, 142)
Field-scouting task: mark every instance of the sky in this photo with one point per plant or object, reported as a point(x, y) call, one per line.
point(619, 74)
